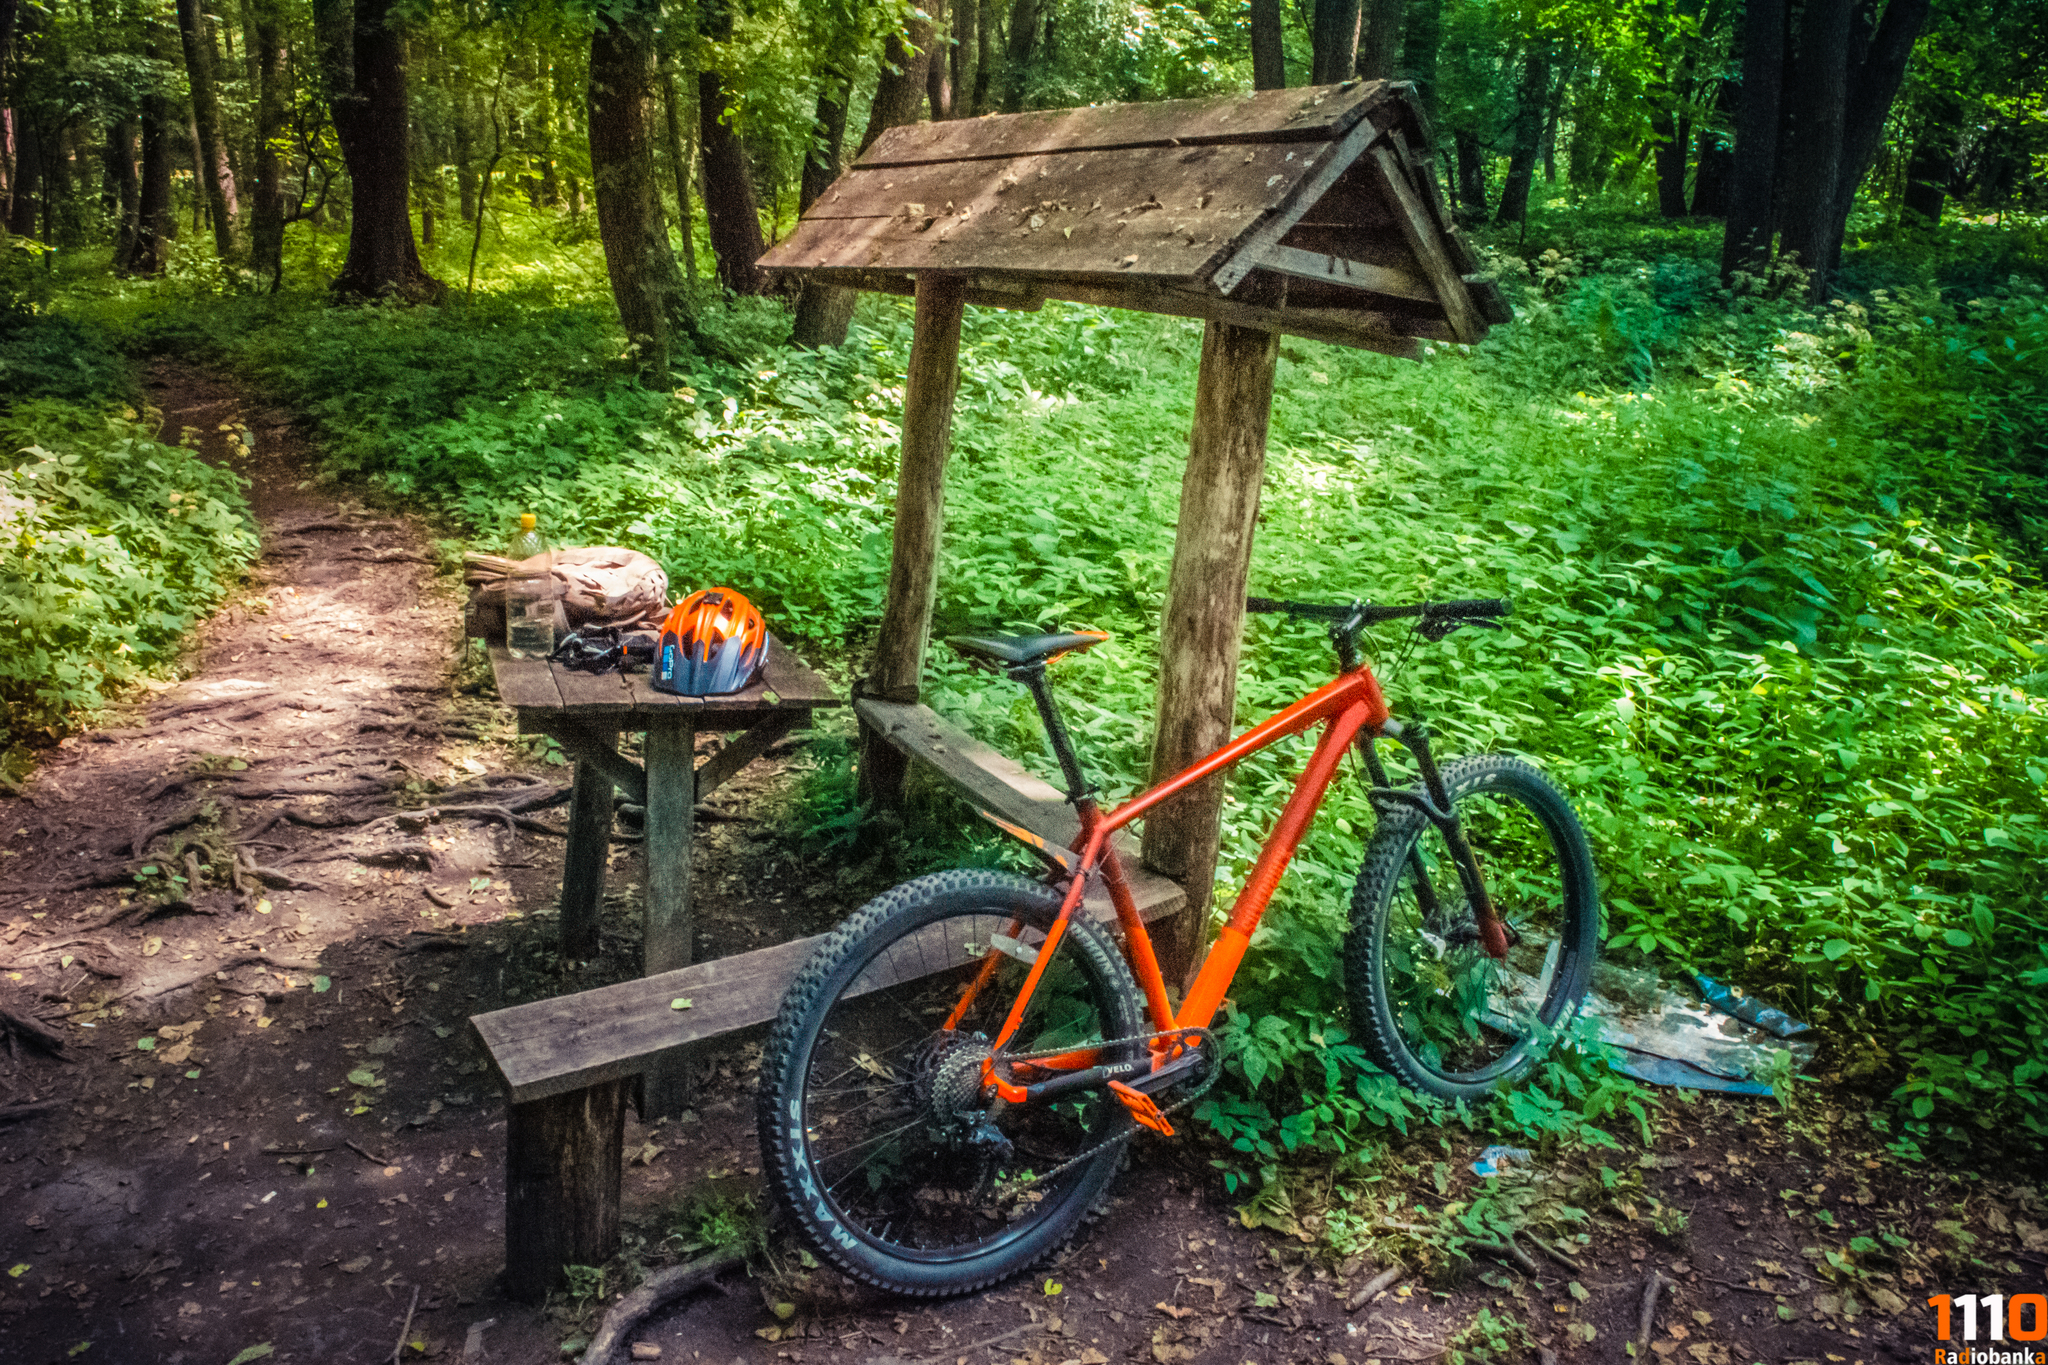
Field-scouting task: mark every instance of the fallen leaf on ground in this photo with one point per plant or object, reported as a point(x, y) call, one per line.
point(355, 1267)
point(1174, 1310)
point(646, 1350)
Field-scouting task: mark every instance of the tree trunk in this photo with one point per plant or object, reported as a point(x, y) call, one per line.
point(729, 207)
point(1928, 173)
point(1672, 143)
point(1202, 625)
point(1880, 55)
point(1026, 18)
point(1530, 98)
point(1471, 179)
point(1380, 46)
point(1333, 38)
point(1812, 169)
point(464, 134)
point(1421, 44)
point(824, 312)
point(25, 189)
point(363, 58)
point(119, 157)
point(266, 218)
point(155, 223)
point(629, 218)
point(938, 65)
point(216, 178)
point(1269, 51)
point(985, 65)
point(963, 57)
point(1752, 219)
point(900, 88)
point(679, 162)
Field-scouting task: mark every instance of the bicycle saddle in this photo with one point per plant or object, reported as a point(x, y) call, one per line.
point(1017, 651)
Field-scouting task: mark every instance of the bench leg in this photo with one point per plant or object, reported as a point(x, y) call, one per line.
point(562, 1169)
point(671, 795)
point(590, 831)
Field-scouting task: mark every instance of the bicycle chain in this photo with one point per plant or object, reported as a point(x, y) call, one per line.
point(1215, 1072)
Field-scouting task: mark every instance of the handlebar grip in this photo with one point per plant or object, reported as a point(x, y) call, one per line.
point(1473, 608)
point(1313, 610)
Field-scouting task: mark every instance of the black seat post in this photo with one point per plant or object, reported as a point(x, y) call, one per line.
point(1033, 678)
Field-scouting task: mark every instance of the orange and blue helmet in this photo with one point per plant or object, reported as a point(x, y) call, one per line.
point(713, 642)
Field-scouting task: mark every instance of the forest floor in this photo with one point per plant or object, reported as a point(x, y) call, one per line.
point(270, 1126)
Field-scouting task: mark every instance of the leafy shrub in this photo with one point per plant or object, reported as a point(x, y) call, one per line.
point(112, 545)
point(1777, 630)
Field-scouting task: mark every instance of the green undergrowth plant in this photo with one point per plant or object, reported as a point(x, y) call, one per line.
point(112, 545)
point(1779, 626)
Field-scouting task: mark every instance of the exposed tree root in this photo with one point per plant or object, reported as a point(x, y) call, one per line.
point(227, 965)
point(32, 1033)
point(654, 1293)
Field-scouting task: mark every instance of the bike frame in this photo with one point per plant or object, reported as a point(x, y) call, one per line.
point(1356, 713)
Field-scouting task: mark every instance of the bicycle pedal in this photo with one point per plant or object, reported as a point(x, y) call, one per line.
point(1142, 1108)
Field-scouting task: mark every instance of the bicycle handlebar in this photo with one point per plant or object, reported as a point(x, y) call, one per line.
point(1366, 613)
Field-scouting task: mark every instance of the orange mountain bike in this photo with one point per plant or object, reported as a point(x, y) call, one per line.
point(954, 1072)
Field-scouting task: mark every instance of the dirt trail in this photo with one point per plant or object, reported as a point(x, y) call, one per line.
point(309, 1150)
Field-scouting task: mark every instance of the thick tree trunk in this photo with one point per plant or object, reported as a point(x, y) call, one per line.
point(1530, 97)
point(985, 64)
point(1812, 168)
point(1026, 19)
point(216, 177)
point(963, 58)
point(266, 217)
point(824, 312)
point(1202, 625)
point(1421, 44)
point(679, 162)
point(119, 158)
point(1928, 173)
point(1752, 219)
point(938, 66)
point(629, 217)
point(363, 57)
point(1333, 38)
point(1673, 138)
point(900, 88)
point(1269, 51)
point(25, 188)
point(155, 223)
point(733, 220)
point(1714, 168)
point(1379, 47)
point(1880, 54)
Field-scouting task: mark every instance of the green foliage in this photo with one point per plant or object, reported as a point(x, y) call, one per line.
point(112, 544)
point(1776, 631)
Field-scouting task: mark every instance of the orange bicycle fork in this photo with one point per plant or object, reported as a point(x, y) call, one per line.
point(1355, 713)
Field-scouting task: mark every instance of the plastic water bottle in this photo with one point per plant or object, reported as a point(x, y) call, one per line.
point(529, 594)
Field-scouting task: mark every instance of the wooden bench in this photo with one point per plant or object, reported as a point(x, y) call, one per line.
point(569, 1063)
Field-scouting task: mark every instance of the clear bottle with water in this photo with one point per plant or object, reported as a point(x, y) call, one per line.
point(530, 594)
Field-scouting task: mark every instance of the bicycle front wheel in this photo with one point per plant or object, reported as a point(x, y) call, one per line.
point(878, 1140)
point(1437, 1011)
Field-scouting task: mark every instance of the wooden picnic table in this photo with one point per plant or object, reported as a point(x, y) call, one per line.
point(586, 713)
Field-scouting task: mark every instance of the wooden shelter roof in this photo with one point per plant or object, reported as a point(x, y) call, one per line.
point(1313, 211)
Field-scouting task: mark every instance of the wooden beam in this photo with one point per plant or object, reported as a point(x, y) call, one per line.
point(1329, 167)
point(991, 781)
point(671, 797)
point(1380, 279)
point(562, 1168)
point(897, 671)
point(744, 748)
point(1428, 245)
point(590, 833)
point(1203, 623)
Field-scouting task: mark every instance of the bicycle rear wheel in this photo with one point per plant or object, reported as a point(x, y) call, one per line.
point(1436, 1010)
point(874, 1132)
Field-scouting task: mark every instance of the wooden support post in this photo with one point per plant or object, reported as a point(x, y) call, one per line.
point(671, 794)
point(562, 1166)
point(1204, 617)
point(898, 667)
point(590, 832)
